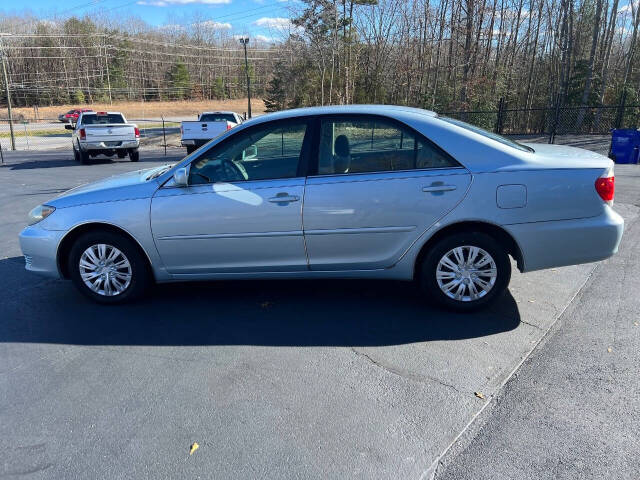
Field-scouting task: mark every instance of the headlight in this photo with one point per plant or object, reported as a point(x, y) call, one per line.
point(40, 213)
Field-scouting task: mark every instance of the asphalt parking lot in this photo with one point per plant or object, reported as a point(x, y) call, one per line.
point(317, 379)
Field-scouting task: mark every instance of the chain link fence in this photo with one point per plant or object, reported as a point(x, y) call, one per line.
point(50, 133)
point(552, 121)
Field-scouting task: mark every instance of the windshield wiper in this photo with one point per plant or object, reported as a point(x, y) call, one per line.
point(159, 172)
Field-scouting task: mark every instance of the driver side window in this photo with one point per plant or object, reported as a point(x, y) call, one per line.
point(262, 153)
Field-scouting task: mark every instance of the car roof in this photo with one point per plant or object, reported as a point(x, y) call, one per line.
point(218, 111)
point(390, 110)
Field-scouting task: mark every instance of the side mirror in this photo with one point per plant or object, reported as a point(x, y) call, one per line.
point(250, 152)
point(180, 177)
point(68, 127)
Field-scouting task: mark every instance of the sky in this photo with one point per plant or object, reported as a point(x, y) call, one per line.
point(264, 20)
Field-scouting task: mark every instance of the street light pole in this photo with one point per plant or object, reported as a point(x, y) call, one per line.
point(6, 84)
point(244, 41)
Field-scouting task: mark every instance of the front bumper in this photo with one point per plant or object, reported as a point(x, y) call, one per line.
point(40, 249)
point(568, 242)
point(128, 144)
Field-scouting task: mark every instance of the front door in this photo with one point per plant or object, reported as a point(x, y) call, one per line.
point(379, 186)
point(242, 208)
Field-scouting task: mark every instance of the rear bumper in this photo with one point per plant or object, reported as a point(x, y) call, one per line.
point(568, 242)
point(127, 144)
point(193, 142)
point(40, 249)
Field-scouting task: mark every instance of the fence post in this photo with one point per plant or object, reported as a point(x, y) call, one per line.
point(499, 120)
point(26, 134)
point(556, 119)
point(620, 115)
point(164, 137)
point(1, 154)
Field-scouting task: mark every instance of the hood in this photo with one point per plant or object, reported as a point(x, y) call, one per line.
point(563, 156)
point(125, 186)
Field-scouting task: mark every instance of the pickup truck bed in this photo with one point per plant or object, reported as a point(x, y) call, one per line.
point(208, 126)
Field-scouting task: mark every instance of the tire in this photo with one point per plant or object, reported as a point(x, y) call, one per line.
point(76, 155)
point(191, 149)
point(126, 280)
point(84, 157)
point(134, 155)
point(447, 291)
point(122, 154)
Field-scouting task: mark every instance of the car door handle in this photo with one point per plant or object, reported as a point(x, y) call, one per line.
point(439, 188)
point(284, 198)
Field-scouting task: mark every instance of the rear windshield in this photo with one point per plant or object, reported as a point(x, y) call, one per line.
point(218, 117)
point(95, 119)
point(485, 133)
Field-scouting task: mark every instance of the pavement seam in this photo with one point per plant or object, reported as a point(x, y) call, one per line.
point(430, 473)
point(402, 374)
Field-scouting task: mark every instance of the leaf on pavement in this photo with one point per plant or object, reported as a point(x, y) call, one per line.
point(194, 446)
point(636, 323)
point(479, 394)
point(609, 349)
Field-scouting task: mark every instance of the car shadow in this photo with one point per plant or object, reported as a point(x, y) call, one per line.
point(267, 313)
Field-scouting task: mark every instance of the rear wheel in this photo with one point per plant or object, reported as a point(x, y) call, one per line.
point(84, 157)
point(191, 149)
point(134, 155)
point(466, 271)
point(108, 268)
point(76, 155)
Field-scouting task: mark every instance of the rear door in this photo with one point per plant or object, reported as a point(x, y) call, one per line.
point(378, 186)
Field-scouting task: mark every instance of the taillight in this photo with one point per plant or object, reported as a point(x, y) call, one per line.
point(606, 186)
point(137, 131)
point(228, 126)
point(83, 134)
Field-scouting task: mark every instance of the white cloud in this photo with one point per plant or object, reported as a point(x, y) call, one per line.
point(171, 27)
point(263, 38)
point(274, 22)
point(625, 9)
point(211, 25)
point(166, 3)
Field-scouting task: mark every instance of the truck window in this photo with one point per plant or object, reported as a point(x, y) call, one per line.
point(95, 119)
point(218, 117)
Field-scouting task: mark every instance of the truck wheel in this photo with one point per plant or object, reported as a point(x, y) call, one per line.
point(76, 155)
point(84, 157)
point(134, 155)
point(191, 149)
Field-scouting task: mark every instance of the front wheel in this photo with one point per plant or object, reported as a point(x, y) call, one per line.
point(465, 271)
point(108, 268)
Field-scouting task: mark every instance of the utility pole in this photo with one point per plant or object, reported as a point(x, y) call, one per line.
point(244, 41)
point(8, 91)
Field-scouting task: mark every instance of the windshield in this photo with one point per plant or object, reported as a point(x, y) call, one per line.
point(218, 117)
point(485, 133)
point(94, 119)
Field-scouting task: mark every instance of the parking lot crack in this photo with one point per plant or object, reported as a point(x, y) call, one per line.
point(401, 373)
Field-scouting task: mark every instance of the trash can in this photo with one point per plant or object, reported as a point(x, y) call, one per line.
point(625, 145)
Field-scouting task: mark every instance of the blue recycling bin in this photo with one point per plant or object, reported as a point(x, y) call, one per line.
point(625, 145)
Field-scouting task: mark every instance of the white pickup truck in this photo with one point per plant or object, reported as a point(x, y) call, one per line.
point(104, 133)
point(208, 126)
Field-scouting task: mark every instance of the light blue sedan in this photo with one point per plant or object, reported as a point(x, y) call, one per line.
point(336, 192)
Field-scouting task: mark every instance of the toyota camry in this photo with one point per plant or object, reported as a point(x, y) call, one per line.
point(377, 192)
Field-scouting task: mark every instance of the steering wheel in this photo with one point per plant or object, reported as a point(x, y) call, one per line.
point(234, 171)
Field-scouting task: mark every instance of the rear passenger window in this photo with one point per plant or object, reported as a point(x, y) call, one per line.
point(373, 145)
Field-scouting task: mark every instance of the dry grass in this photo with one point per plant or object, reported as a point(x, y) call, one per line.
point(150, 110)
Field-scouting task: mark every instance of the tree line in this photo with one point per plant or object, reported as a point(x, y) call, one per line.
point(459, 54)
